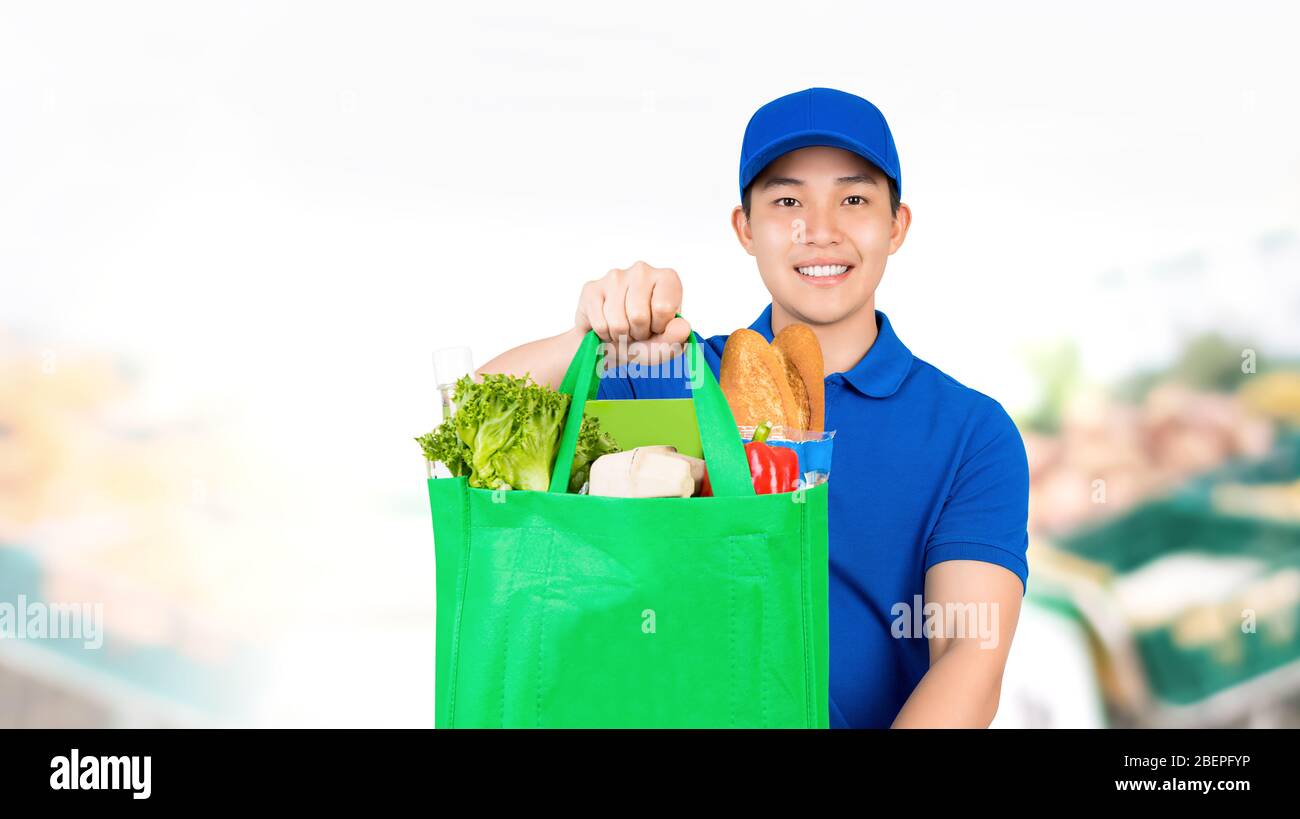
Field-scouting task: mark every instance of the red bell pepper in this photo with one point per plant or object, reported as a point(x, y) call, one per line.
point(773, 469)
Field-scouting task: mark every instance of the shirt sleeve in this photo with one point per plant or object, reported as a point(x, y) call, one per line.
point(663, 380)
point(986, 514)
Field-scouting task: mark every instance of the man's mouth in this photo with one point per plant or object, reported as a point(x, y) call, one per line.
point(824, 275)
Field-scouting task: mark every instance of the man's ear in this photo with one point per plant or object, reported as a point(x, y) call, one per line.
point(741, 225)
point(898, 232)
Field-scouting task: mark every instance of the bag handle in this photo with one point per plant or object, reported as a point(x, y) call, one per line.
point(724, 454)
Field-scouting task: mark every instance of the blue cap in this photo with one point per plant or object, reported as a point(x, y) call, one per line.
point(818, 116)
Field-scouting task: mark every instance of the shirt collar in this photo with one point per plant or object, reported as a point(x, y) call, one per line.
point(880, 372)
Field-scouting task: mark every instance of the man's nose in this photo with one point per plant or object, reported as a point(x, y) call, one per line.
point(821, 226)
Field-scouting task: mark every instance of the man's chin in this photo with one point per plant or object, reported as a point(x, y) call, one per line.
point(822, 308)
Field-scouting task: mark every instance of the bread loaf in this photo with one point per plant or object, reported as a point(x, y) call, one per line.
point(801, 356)
point(781, 383)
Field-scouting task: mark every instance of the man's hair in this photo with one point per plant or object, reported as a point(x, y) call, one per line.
point(893, 195)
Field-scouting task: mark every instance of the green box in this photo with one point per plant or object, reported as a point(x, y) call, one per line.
point(650, 422)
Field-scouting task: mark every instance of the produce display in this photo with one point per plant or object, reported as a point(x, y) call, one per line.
point(1280, 501)
point(1138, 451)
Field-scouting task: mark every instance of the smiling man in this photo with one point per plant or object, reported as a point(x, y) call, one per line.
point(928, 498)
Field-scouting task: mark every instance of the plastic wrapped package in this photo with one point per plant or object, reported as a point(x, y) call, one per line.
point(813, 448)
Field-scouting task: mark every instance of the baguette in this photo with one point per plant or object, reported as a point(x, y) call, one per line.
point(801, 356)
point(755, 383)
point(781, 383)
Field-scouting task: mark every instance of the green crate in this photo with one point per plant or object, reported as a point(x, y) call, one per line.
point(1186, 522)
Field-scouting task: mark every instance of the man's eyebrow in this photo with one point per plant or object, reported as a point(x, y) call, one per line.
point(843, 180)
point(853, 180)
point(781, 180)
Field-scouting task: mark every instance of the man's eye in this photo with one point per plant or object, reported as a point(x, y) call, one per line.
point(854, 200)
point(787, 202)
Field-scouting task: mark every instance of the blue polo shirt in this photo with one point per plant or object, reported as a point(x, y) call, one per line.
point(924, 470)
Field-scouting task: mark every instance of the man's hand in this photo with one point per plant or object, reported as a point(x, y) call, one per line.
point(635, 309)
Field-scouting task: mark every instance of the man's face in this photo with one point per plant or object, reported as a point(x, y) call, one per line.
point(818, 211)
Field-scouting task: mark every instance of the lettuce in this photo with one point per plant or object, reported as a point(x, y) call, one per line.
point(592, 443)
point(506, 433)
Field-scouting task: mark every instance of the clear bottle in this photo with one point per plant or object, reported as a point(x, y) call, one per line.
point(449, 365)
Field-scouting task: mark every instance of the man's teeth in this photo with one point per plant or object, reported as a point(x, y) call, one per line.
point(823, 270)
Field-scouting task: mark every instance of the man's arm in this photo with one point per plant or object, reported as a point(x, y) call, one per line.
point(976, 571)
point(968, 651)
point(638, 305)
point(545, 359)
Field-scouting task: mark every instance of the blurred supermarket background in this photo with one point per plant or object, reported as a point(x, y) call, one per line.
point(231, 237)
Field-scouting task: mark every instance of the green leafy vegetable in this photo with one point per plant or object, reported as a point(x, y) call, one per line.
point(592, 443)
point(506, 433)
point(444, 444)
point(525, 462)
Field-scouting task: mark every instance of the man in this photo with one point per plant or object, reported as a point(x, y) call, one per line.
point(929, 489)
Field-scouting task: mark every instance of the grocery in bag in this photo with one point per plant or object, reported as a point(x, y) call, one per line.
point(559, 609)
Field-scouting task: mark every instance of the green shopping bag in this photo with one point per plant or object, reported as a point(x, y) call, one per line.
point(565, 610)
